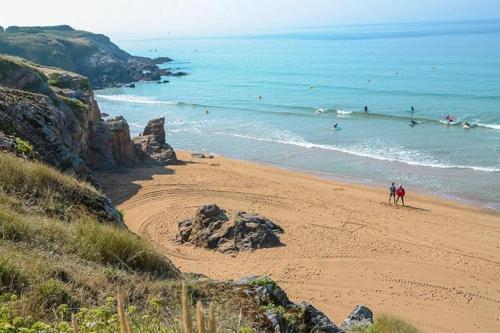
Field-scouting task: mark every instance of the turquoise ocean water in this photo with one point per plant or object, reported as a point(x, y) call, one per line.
point(311, 78)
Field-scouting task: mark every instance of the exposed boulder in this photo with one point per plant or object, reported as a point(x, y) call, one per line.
point(316, 320)
point(285, 316)
point(361, 316)
point(151, 145)
point(213, 229)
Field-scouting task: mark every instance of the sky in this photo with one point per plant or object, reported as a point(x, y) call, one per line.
point(139, 18)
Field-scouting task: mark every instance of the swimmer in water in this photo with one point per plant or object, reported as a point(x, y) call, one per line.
point(413, 123)
point(260, 97)
point(412, 109)
point(336, 126)
point(366, 108)
point(206, 111)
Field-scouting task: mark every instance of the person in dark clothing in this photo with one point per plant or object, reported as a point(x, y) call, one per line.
point(366, 108)
point(392, 193)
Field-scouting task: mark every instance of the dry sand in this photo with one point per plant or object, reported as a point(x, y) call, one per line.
point(435, 263)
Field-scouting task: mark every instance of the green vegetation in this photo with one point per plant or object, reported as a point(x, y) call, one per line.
point(109, 245)
point(264, 281)
point(388, 324)
point(59, 258)
point(57, 79)
point(64, 47)
point(23, 147)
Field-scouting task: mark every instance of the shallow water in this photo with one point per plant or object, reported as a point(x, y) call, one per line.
point(310, 79)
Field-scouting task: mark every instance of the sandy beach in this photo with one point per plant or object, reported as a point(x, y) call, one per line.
point(434, 263)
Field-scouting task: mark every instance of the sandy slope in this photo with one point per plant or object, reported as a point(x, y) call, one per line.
point(437, 263)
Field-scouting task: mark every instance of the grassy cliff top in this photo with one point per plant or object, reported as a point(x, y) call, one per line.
point(59, 46)
point(52, 76)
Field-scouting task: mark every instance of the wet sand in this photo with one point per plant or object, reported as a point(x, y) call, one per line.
point(435, 263)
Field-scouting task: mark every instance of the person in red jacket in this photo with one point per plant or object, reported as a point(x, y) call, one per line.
point(400, 192)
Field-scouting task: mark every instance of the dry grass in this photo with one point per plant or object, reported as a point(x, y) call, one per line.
point(389, 324)
point(51, 262)
point(110, 245)
point(45, 190)
point(186, 311)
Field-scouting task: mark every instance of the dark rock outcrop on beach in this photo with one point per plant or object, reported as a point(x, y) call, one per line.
point(284, 315)
point(212, 228)
point(86, 53)
point(151, 145)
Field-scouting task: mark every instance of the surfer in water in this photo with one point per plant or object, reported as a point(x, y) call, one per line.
point(413, 123)
point(336, 126)
point(412, 109)
point(366, 109)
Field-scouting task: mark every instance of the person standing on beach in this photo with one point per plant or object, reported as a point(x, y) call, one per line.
point(392, 193)
point(400, 192)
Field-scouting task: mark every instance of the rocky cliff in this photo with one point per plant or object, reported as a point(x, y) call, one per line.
point(86, 53)
point(55, 111)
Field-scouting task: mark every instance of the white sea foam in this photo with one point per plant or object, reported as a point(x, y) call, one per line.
point(391, 155)
point(492, 126)
point(343, 112)
point(135, 99)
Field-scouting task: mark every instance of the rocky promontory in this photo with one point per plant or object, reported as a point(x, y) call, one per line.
point(86, 53)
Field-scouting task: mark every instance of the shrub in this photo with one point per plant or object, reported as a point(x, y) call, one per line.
point(52, 293)
point(11, 277)
point(23, 147)
point(110, 245)
point(264, 281)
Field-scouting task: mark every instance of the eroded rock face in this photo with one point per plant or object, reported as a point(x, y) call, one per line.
point(151, 146)
point(54, 131)
point(112, 146)
point(213, 229)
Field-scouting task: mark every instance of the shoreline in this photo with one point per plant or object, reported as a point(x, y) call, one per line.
point(343, 244)
point(472, 203)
